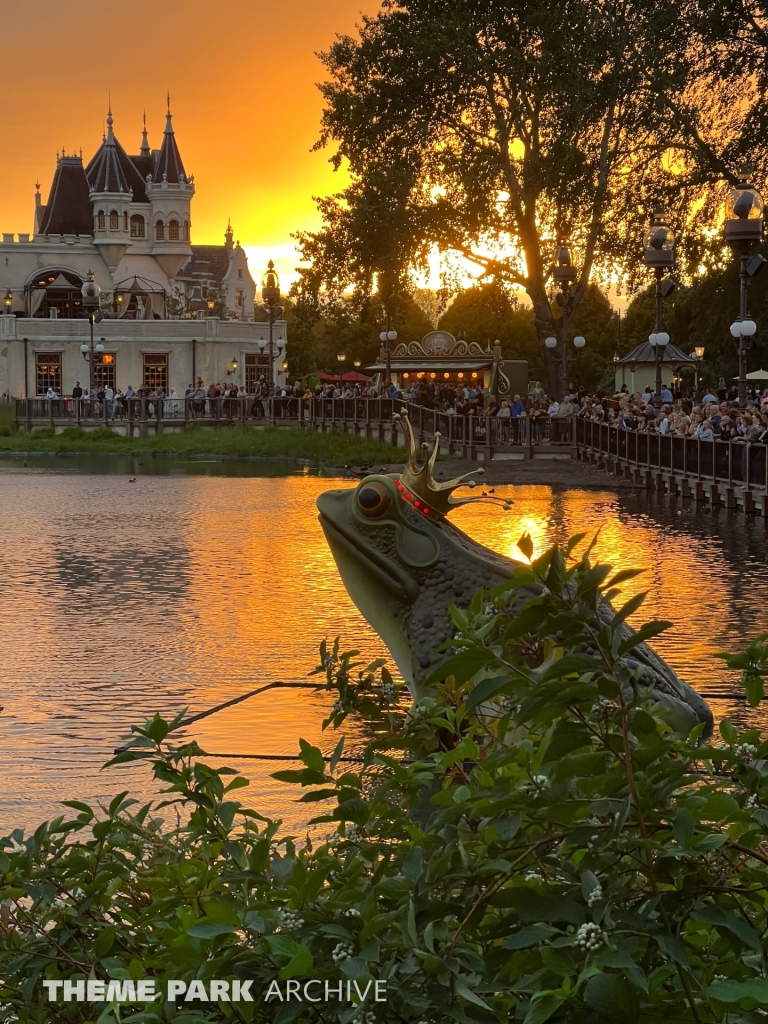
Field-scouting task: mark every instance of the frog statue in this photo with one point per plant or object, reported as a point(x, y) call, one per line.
point(403, 564)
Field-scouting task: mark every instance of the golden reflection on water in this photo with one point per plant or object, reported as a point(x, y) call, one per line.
point(118, 601)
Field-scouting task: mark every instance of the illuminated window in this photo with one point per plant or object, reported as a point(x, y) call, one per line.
point(255, 366)
point(102, 220)
point(156, 371)
point(173, 230)
point(137, 226)
point(48, 372)
point(159, 230)
point(104, 371)
point(114, 221)
point(239, 301)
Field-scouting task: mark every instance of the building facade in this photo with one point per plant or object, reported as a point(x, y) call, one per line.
point(170, 311)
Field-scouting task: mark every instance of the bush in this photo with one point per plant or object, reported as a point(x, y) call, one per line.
point(548, 849)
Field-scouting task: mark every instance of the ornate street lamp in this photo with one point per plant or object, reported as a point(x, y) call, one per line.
point(357, 364)
point(660, 257)
point(744, 231)
point(658, 342)
point(211, 306)
point(270, 294)
point(565, 274)
point(386, 338)
point(341, 357)
point(90, 292)
point(8, 301)
point(698, 353)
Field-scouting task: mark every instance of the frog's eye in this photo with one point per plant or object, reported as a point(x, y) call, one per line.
point(373, 499)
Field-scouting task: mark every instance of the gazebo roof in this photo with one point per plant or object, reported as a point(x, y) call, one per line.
point(646, 353)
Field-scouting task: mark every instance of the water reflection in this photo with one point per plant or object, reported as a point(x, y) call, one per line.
point(185, 589)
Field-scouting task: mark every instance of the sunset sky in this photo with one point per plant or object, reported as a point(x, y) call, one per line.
point(246, 111)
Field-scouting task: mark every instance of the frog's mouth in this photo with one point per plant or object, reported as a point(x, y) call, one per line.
point(387, 573)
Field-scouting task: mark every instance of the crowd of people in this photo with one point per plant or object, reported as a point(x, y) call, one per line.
point(530, 418)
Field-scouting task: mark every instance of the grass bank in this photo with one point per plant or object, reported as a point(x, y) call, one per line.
point(329, 449)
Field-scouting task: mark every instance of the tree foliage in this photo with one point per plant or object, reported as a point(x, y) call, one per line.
point(489, 129)
point(548, 850)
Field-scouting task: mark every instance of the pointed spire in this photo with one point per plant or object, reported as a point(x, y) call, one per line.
point(228, 235)
point(104, 172)
point(145, 150)
point(169, 165)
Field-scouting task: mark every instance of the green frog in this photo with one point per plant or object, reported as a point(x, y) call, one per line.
point(403, 564)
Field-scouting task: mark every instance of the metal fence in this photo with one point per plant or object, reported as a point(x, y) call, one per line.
point(468, 431)
point(727, 462)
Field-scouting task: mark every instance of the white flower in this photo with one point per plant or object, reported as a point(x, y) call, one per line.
point(341, 952)
point(589, 937)
point(367, 1018)
point(532, 876)
point(750, 803)
point(506, 703)
point(353, 833)
point(537, 785)
point(746, 751)
point(338, 706)
point(720, 977)
point(289, 920)
point(352, 912)
point(389, 693)
point(595, 896)
point(604, 708)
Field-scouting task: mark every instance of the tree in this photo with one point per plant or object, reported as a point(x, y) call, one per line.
point(549, 848)
point(492, 129)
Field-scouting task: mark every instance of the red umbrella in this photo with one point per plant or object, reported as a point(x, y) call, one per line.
point(358, 378)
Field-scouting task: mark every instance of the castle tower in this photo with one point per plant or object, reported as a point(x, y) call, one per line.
point(111, 197)
point(170, 192)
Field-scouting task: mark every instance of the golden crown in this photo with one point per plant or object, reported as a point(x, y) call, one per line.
point(418, 486)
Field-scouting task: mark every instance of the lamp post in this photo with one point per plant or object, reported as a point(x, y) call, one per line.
point(743, 231)
point(699, 354)
point(659, 256)
point(552, 342)
point(8, 302)
point(386, 338)
point(565, 275)
point(270, 294)
point(90, 292)
point(658, 342)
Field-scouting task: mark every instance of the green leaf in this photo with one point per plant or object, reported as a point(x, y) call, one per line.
point(530, 936)
point(525, 544)
point(104, 941)
point(157, 729)
point(724, 920)
point(299, 966)
point(728, 730)
point(209, 929)
point(613, 996)
point(754, 689)
point(646, 632)
point(684, 826)
point(312, 757)
point(542, 1006)
point(737, 991)
point(462, 666)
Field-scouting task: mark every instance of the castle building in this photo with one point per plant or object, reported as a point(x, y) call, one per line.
point(128, 220)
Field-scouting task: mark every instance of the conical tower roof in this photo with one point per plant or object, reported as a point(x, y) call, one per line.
point(106, 172)
point(169, 164)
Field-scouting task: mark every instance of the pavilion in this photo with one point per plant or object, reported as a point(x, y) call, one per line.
point(638, 368)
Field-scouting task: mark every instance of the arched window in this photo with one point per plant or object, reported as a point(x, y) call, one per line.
point(114, 221)
point(137, 226)
point(125, 221)
point(102, 220)
point(173, 229)
point(159, 230)
point(186, 230)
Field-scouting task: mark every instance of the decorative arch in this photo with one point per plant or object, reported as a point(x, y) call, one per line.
point(173, 230)
point(159, 231)
point(138, 226)
point(54, 288)
point(101, 220)
point(114, 220)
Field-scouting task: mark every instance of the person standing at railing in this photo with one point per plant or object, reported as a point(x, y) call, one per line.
point(566, 409)
point(519, 415)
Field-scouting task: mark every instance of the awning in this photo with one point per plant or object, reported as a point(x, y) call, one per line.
point(429, 365)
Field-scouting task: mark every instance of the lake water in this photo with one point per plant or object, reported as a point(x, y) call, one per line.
point(201, 580)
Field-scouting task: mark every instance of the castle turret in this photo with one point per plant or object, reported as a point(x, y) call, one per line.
point(111, 197)
point(170, 192)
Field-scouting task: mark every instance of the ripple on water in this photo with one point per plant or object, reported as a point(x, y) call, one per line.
point(184, 591)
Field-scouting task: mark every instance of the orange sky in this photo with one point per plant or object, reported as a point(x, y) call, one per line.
point(242, 80)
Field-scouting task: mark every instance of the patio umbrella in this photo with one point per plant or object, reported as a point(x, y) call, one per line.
point(756, 375)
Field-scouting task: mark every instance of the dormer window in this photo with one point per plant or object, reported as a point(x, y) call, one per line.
point(159, 231)
point(173, 230)
point(102, 220)
point(137, 226)
point(114, 221)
